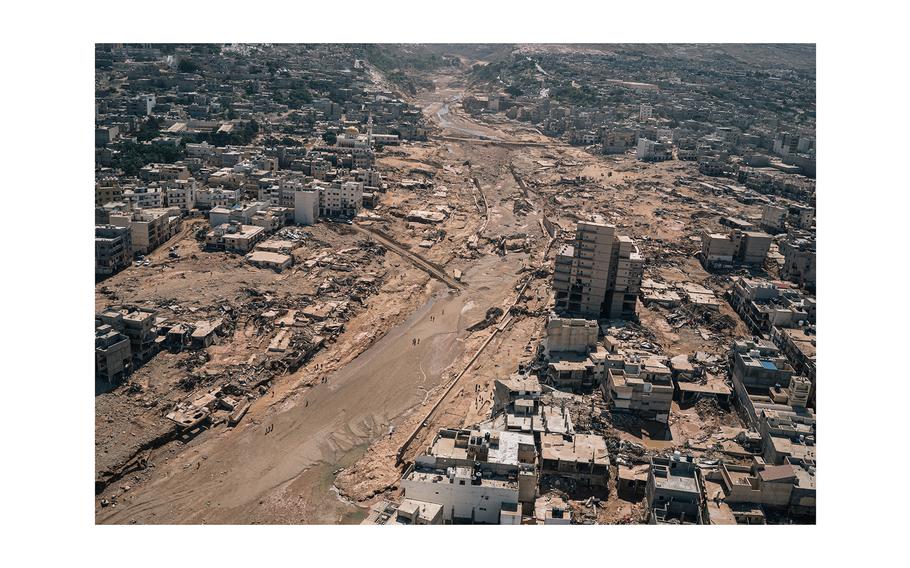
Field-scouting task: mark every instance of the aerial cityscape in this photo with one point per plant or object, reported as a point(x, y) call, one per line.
point(433, 284)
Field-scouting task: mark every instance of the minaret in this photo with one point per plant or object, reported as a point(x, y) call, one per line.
point(370, 130)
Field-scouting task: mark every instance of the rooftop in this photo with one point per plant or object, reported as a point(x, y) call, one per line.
point(587, 448)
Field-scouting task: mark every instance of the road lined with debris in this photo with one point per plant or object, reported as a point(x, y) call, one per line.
point(418, 261)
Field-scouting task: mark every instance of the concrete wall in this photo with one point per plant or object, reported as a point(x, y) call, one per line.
point(463, 501)
point(306, 207)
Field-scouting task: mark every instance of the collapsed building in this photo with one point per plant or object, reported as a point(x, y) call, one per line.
point(517, 407)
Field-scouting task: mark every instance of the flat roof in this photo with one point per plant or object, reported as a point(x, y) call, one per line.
point(587, 448)
point(268, 257)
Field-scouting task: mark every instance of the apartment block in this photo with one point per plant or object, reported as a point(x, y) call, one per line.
point(764, 304)
point(733, 248)
point(766, 385)
point(788, 434)
point(784, 486)
point(344, 199)
point(652, 151)
point(774, 218)
point(799, 346)
point(113, 357)
point(643, 387)
point(113, 249)
point(182, 195)
point(137, 324)
point(234, 237)
point(141, 105)
point(599, 274)
point(565, 335)
point(618, 141)
point(799, 261)
point(149, 228)
point(675, 491)
point(581, 457)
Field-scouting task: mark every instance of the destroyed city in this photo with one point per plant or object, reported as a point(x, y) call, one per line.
point(434, 284)
point(373, 265)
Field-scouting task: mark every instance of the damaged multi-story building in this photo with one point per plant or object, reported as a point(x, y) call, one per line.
point(113, 357)
point(583, 458)
point(137, 324)
point(599, 274)
point(799, 346)
point(749, 491)
point(517, 407)
point(675, 491)
point(799, 260)
point(763, 304)
point(113, 249)
point(719, 250)
point(643, 387)
point(149, 228)
point(774, 401)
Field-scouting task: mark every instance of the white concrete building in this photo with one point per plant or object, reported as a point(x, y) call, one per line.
point(465, 495)
point(183, 196)
point(306, 206)
point(216, 197)
point(341, 200)
point(478, 476)
point(651, 151)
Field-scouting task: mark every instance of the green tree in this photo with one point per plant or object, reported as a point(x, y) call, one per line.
point(330, 137)
point(187, 66)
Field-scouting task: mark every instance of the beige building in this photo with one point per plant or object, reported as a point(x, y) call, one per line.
point(599, 274)
point(799, 261)
point(642, 387)
point(234, 237)
point(582, 457)
point(570, 335)
point(265, 259)
point(736, 247)
point(149, 228)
